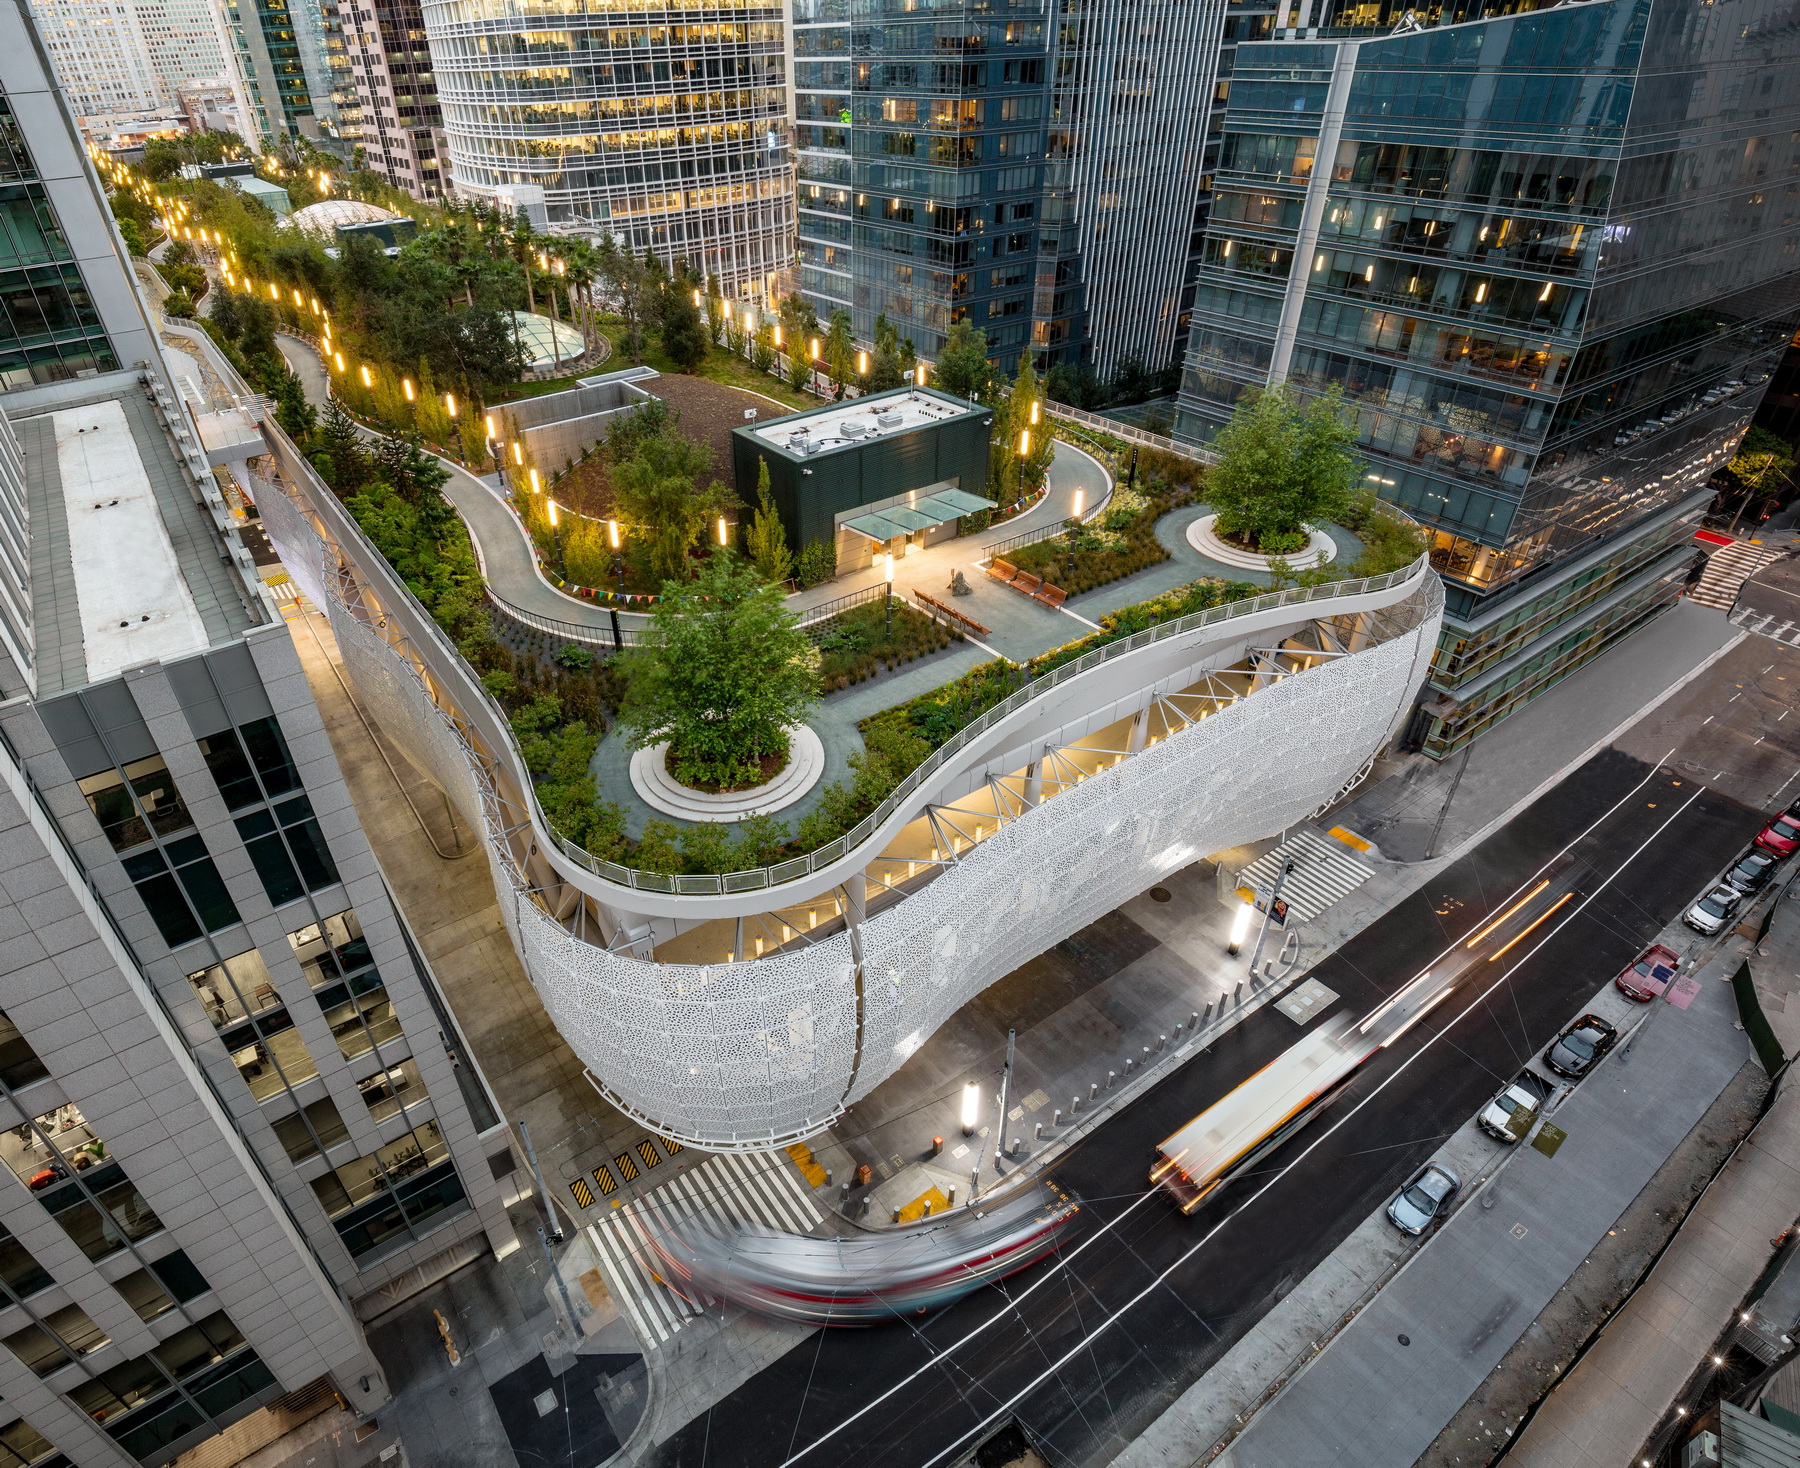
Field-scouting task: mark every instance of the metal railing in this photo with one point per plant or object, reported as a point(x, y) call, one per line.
point(1129, 432)
point(836, 849)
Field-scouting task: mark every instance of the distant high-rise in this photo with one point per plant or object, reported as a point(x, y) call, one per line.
point(1550, 257)
point(662, 126)
point(396, 93)
point(1029, 171)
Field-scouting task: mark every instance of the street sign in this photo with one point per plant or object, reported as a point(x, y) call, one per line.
point(1520, 1122)
point(1682, 992)
point(1259, 899)
point(1549, 1138)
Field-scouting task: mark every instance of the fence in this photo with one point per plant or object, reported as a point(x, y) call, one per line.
point(1129, 432)
point(836, 849)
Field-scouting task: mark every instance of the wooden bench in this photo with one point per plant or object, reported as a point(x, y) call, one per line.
point(1052, 596)
point(950, 612)
point(1002, 570)
point(1026, 583)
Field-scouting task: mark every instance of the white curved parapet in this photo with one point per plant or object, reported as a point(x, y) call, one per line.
point(751, 1054)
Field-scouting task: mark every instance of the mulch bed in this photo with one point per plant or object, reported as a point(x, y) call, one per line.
point(709, 411)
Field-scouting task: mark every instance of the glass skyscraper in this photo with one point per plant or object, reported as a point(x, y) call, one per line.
point(1550, 257)
point(1029, 167)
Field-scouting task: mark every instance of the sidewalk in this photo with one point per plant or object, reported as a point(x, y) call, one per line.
point(1630, 1378)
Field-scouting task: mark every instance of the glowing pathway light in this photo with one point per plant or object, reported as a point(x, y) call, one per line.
point(724, 539)
point(1240, 927)
point(971, 1107)
point(407, 388)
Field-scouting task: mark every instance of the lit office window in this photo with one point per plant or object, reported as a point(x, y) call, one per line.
point(135, 802)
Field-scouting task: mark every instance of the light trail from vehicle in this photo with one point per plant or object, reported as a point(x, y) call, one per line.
point(1066, 1258)
point(1086, 1343)
point(1536, 923)
point(1509, 912)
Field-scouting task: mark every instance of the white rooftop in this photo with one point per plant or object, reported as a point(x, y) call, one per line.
point(134, 603)
point(880, 416)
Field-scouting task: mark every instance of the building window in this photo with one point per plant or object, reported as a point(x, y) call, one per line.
point(182, 890)
point(288, 849)
point(389, 1092)
point(334, 955)
point(312, 1129)
point(22, 1275)
point(235, 989)
point(49, 1344)
point(101, 1211)
point(19, 1064)
point(269, 1054)
point(392, 1193)
point(192, 1380)
point(23, 1446)
point(155, 1291)
point(133, 803)
point(250, 763)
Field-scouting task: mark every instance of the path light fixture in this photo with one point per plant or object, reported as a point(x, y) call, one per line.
point(888, 600)
point(1240, 927)
point(920, 372)
point(407, 388)
point(862, 363)
point(534, 490)
point(368, 381)
point(450, 403)
point(518, 454)
point(724, 539)
point(971, 1107)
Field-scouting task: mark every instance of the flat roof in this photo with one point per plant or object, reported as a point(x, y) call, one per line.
point(116, 537)
point(879, 415)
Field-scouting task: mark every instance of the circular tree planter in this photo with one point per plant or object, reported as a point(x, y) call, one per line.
point(660, 790)
point(1320, 548)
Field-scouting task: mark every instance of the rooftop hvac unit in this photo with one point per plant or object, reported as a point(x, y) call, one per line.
point(853, 429)
point(889, 420)
point(1700, 1451)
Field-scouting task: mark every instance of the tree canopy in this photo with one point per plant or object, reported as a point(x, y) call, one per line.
point(722, 672)
point(1283, 463)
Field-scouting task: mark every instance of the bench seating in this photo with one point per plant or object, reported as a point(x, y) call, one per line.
point(951, 612)
point(1033, 586)
point(1002, 570)
point(1052, 596)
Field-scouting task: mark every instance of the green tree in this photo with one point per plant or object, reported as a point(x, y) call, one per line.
point(1023, 444)
point(840, 349)
point(340, 441)
point(178, 303)
point(1760, 467)
point(963, 369)
point(885, 364)
point(651, 418)
point(767, 539)
point(658, 495)
point(133, 234)
point(684, 335)
point(722, 672)
point(1283, 464)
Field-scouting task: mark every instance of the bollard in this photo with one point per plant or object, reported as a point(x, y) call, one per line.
point(1194, 1018)
point(1146, 1055)
point(1056, 1117)
point(1074, 1104)
point(1017, 1145)
point(950, 1202)
point(974, 1183)
point(896, 1213)
point(1237, 994)
point(1163, 1040)
point(828, 1177)
point(926, 1212)
point(1127, 1065)
point(1209, 1011)
point(1038, 1133)
point(1177, 1029)
point(937, 1146)
point(845, 1193)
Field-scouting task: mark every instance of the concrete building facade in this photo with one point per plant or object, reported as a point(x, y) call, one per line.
point(234, 1105)
point(400, 127)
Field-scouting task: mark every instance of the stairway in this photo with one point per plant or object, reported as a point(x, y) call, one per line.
point(1728, 568)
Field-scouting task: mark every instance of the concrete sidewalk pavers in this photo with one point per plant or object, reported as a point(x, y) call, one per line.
point(1630, 1377)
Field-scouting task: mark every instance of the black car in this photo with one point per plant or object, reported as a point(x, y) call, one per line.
point(1578, 1048)
point(1752, 872)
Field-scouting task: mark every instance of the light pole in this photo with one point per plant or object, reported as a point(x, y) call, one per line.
point(612, 534)
point(1287, 868)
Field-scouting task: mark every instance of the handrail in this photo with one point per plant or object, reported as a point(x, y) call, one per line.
point(794, 868)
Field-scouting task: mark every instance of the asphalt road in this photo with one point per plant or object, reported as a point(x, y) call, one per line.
point(1098, 1346)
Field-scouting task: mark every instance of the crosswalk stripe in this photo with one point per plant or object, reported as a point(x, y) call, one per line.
point(744, 1190)
point(1324, 872)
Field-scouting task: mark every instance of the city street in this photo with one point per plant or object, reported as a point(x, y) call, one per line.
point(1087, 1350)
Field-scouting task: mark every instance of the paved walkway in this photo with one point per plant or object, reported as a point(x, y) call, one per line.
point(1628, 1381)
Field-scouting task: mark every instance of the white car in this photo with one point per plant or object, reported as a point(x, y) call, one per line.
point(1714, 910)
point(1525, 1096)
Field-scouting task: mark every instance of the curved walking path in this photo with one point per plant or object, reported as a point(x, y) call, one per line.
point(1023, 627)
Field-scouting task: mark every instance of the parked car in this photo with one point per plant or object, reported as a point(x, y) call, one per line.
point(1752, 872)
point(1524, 1095)
point(1714, 910)
point(1649, 973)
point(1578, 1049)
point(1781, 837)
point(1425, 1200)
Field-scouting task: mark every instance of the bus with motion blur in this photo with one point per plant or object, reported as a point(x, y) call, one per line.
point(1235, 1133)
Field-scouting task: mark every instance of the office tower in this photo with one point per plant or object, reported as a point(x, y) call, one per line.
point(296, 76)
point(234, 1105)
point(1551, 259)
point(101, 56)
point(396, 93)
point(662, 128)
point(1032, 172)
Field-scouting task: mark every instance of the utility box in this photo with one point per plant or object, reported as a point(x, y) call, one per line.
point(877, 475)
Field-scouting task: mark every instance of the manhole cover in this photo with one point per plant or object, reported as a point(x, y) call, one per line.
point(1405, 1340)
point(1160, 894)
point(1307, 1002)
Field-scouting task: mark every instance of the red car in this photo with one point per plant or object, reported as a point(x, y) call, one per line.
point(1781, 837)
point(1649, 974)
